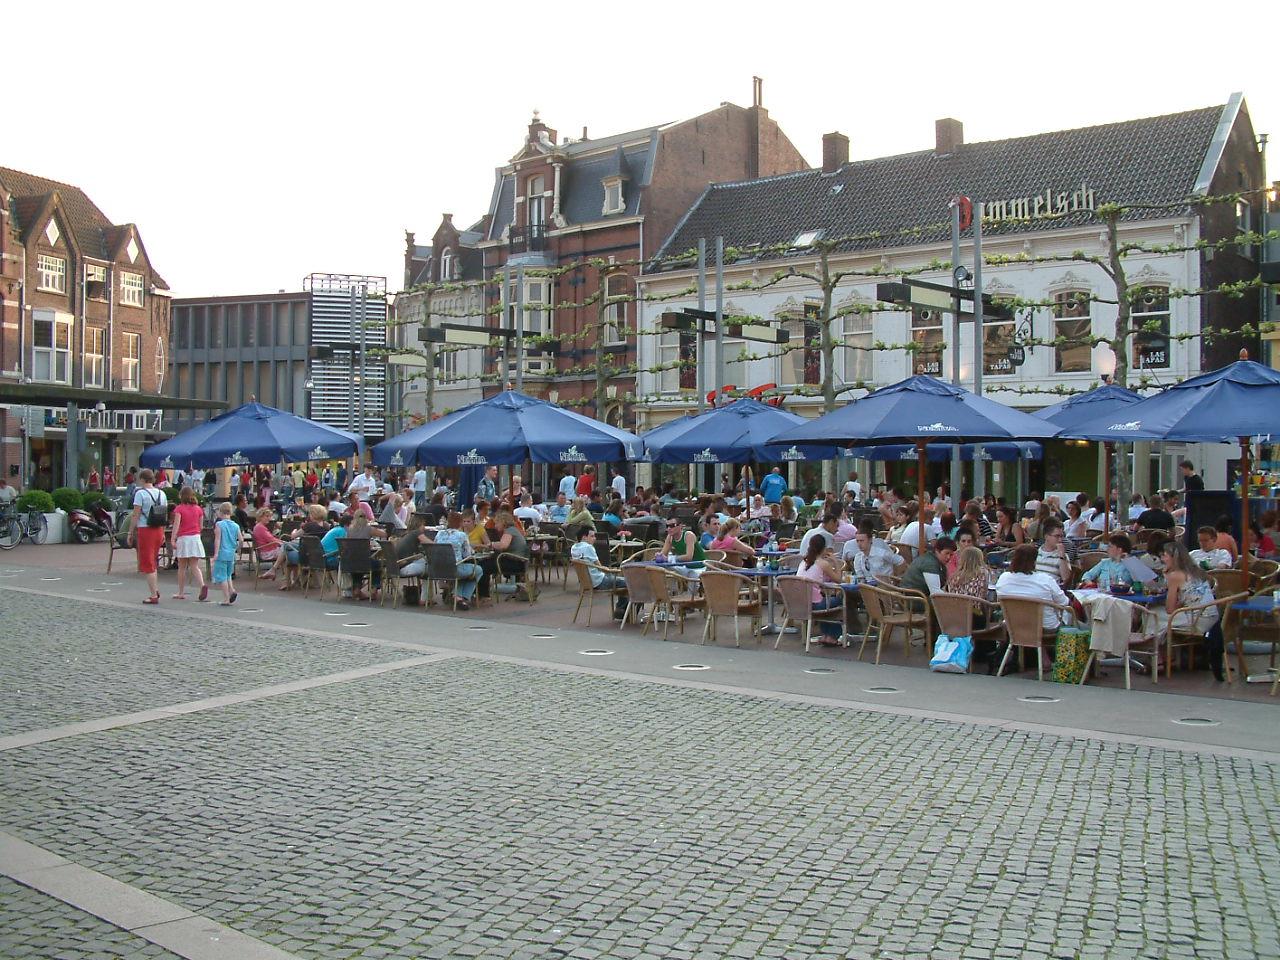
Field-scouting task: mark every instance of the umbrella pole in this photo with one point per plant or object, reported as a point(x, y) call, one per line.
point(1106, 489)
point(1245, 469)
point(920, 466)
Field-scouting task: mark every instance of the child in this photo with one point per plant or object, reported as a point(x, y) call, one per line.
point(226, 544)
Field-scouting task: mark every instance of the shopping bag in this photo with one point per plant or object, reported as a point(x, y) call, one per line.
point(1071, 653)
point(951, 654)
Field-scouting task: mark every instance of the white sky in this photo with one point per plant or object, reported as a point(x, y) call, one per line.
point(254, 143)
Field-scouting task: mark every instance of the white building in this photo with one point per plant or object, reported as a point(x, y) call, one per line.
point(880, 203)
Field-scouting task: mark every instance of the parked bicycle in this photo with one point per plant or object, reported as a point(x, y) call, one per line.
point(16, 526)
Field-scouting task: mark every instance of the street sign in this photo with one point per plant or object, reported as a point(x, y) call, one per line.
point(938, 296)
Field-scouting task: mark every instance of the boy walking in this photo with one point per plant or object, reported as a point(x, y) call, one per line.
point(226, 544)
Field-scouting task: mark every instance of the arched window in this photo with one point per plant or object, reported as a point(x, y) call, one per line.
point(1073, 327)
point(446, 265)
point(160, 364)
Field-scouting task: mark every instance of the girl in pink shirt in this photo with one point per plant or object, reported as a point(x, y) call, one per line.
point(188, 548)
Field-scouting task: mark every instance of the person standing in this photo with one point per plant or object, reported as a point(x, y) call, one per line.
point(364, 485)
point(108, 478)
point(419, 488)
point(188, 548)
point(773, 486)
point(146, 530)
point(587, 482)
point(94, 479)
point(326, 477)
point(852, 488)
point(619, 484)
point(340, 481)
point(487, 489)
point(569, 484)
point(1190, 479)
point(226, 545)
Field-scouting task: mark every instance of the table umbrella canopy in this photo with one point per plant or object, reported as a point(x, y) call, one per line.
point(941, 452)
point(1239, 400)
point(1090, 409)
point(508, 428)
point(252, 434)
point(919, 409)
point(738, 432)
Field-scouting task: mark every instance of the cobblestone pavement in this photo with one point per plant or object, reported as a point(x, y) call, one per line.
point(66, 661)
point(476, 809)
point(33, 925)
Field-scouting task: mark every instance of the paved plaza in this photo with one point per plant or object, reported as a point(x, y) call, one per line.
point(273, 782)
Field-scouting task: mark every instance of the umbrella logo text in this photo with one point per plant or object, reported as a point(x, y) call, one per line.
point(573, 455)
point(397, 460)
point(319, 453)
point(793, 454)
point(706, 456)
point(236, 459)
point(472, 456)
point(1131, 425)
point(937, 428)
point(166, 462)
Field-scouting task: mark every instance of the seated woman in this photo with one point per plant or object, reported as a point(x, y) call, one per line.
point(788, 512)
point(1187, 586)
point(1023, 582)
point(819, 566)
point(970, 578)
point(966, 536)
point(511, 545)
point(1109, 573)
point(579, 515)
point(1077, 525)
point(613, 513)
point(360, 529)
point(1226, 540)
point(1008, 531)
point(1153, 557)
point(736, 553)
point(270, 547)
point(1035, 527)
point(316, 525)
point(469, 573)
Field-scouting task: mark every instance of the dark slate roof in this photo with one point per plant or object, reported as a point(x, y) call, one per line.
point(581, 190)
point(1152, 160)
point(87, 222)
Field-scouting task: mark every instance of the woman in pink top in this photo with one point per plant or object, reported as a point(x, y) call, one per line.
point(188, 548)
point(736, 552)
point(266, 543)
point(818, 567)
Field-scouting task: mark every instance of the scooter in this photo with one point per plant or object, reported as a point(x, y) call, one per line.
point(89, 525)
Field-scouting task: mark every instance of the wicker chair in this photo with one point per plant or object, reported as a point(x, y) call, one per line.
point(312, 564)
point(955, 613)
point(724, 596)
point(355, 559)
point(1262, 575)
point(1024, 627)
point(1187, 637)
point(797, 607)
point(672, 596)
point(587, 590)
point(639, 592)
point(1228, 581)
point(888, 612)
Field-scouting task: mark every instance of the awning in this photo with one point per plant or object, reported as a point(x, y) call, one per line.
point(59, 395)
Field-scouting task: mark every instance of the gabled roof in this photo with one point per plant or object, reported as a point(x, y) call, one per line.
point(1152, 160)
point(94, 233)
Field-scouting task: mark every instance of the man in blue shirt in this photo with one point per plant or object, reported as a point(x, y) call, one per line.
point(773, 486)
point(560, 509)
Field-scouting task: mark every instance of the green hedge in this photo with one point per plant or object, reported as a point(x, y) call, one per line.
point(68, 499)
point(36, 500)
point(95, 496)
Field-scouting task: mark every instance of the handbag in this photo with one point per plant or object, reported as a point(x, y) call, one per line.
point(1070, 654)
point(951, 654)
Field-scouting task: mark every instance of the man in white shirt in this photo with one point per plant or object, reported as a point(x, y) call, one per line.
point(911, 535)
point(569, 484)
point(420, 488)
point(827, 530)
point(1210, 553)
point(619, 484)
point(365, 485)
point(871, 557)
point(853, 488)
point(7, 493)
point(527, 511)
point(1137, 506)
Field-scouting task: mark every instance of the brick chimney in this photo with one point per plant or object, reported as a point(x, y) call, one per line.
point(537, 127)
point(835, 151)
point(949, 134)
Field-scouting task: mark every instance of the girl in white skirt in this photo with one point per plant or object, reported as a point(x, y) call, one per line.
point(188, 548)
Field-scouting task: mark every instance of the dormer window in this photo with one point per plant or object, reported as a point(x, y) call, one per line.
point(613, 199)
point(446, 265)
point(537, 201)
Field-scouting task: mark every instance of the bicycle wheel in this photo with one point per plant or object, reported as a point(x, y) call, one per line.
point(10, 533)
point(37, 527)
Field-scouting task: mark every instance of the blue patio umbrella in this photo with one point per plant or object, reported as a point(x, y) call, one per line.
point(509, 428)
point(941, 452)
point(1092, 409)
point(918, 410)
point(738, 432)
point(252, 434)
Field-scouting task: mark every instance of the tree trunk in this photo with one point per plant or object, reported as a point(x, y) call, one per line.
point(828, 348)
point(1120, 348)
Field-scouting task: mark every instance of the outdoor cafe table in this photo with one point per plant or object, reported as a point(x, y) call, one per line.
point(765, 574)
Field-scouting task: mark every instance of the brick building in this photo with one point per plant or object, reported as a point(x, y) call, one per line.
point(82, 308)
point(579, 216)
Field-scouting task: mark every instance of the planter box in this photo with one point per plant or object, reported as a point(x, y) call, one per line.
point(58, 529)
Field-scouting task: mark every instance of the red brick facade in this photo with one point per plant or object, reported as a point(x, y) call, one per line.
point(68, 271)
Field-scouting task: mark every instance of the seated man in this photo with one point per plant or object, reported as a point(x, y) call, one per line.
point(871, 557)
point(934, 561)
point(1210, 556)
point(560, 509)
point(827, 529)
point(585, 549)
point(1111, 572)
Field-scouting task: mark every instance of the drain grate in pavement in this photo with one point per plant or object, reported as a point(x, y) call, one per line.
point(50, 579)
point(113, 583)
point(881, 690)
point(1197, 721)
point(477, 628)
point(690, 666)
point(97, 590)
point(1036, 698)
point(356, 623)
point(335, 613)
point(542, 636)
point(596, 653)
point(248, 609)
point(820, 670)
